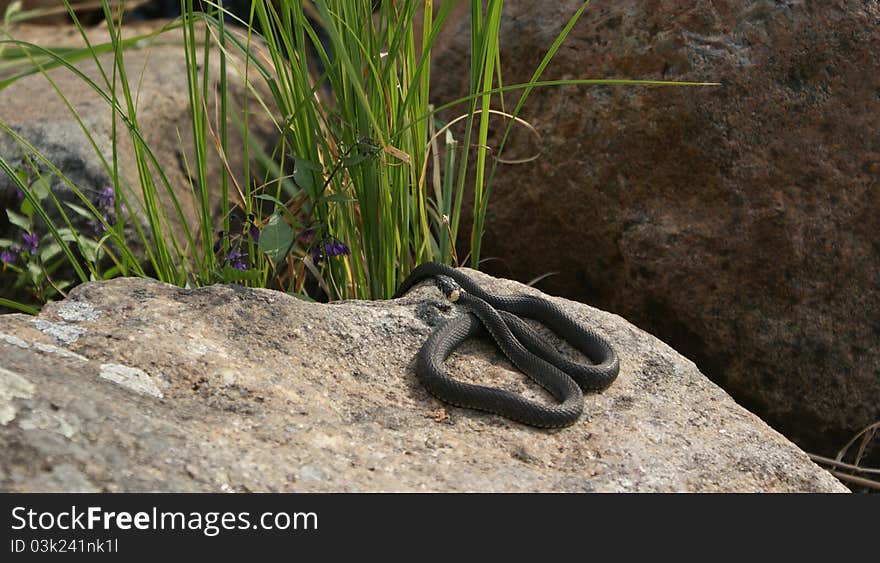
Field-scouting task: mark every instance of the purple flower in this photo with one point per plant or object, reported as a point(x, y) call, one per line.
point(31, 242)
point(329, 247)
point(336, 248)
point(255, 233)
point(107, 208)
point(10, 255)
point(107, 200)
point(236, 259)
point(107, 204)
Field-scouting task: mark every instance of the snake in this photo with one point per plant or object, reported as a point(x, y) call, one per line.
point(502, 317)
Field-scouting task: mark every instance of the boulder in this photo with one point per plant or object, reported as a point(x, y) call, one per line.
point(739, 223)
point(135, 385)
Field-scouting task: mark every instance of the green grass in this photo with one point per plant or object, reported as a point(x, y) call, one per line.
point(364, 184)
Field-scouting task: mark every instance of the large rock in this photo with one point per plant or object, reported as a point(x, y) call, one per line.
point(133, 385)
point(738, 223)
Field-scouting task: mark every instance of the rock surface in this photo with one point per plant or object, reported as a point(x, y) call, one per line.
point(739, 223)
point(134, 385)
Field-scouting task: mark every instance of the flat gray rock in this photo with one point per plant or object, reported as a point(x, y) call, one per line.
point(134, 385)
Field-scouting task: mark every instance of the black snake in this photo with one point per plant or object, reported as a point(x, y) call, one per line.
point(499, 315)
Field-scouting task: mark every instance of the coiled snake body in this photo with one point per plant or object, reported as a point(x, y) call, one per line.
point(499, 315)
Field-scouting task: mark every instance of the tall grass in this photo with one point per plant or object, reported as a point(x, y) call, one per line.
point(364, 183)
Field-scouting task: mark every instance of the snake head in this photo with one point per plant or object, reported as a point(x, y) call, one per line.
point(449, 287)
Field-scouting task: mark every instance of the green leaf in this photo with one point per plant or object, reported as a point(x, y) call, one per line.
point(22, 175)
point(67, 235)
point(18, 220)
point(301, 296)
point(276, 238)
point(303, 173)
point(35, 272)
point(112, 272)
point(50, 251)
point(81, 211)
point(63, 284)
point(40, 188)
point(279, 205)
point(26, 208)
point(89, 249)
point(357, 159)
point(232, 275)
